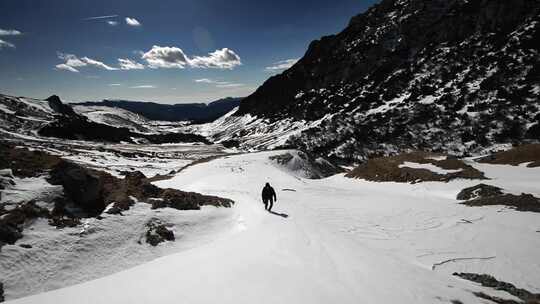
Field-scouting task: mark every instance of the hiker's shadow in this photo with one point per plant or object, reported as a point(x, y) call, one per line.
point(283, 215)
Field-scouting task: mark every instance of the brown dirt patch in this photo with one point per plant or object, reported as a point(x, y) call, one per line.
point(25, 163)
point(386, 169)
point(522, 154)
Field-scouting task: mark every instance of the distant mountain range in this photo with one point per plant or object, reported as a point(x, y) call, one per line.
point(196, 112)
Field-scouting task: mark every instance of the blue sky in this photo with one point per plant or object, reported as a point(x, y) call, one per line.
point(162, 51)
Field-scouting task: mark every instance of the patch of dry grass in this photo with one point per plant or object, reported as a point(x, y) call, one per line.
point(522, 154)
point(386, 169)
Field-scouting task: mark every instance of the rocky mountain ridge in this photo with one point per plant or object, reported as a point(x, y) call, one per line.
point(453, 76)
point(196, 112)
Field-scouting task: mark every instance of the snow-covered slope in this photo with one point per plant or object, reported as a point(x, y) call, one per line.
point(334, 240)
point(252, 132)
point(23, 116)
point(115, 117)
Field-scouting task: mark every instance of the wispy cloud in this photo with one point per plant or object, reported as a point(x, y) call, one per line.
point(146, 86)
point(7, 44)
point(219, 84)
point(174, 57)
point(112, 22)
point(66, 67)
point(211, 81)
point(101, 17)
point(9, 32)
point(230, 85)
point(281, 65)
point(132, 22)
point(128, 64)
point(115, 84)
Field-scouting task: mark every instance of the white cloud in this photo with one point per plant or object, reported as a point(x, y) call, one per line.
point(98, 64)
point(72, 62)
point(221, 59)
point(9, 32)
point(114, 84)
point(128, 64)
point(112, 23)
point(101, 17)
point(165, 57)
point(132, 22)
point(66, 67)
point(5, 44)
point(173, 57)
point(147, 86)
point(282, 65)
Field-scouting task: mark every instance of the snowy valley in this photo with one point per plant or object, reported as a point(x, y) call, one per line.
point(404, 152)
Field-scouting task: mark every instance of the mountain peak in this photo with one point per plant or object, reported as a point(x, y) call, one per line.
point(444, 74)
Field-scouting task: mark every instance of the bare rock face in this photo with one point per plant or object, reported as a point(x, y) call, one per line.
point(157, 233)
point(56, 104)
point(80, 185)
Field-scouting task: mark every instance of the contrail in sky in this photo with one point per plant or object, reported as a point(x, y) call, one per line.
point(101, 17)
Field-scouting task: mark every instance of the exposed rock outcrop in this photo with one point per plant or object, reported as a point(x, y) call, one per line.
point(12, 222)
point(92, 191)
point(305, 165)
point(489, 281)
point(480, 190)
point(158, 232)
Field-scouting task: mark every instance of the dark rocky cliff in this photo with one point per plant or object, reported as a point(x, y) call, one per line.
point(450, 75)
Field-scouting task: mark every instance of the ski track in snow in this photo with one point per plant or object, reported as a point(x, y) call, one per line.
point(344, 241)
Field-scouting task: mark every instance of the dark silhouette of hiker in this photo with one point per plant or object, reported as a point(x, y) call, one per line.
point(268, 197)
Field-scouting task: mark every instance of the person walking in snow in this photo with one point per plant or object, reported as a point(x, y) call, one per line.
point(268, 197)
